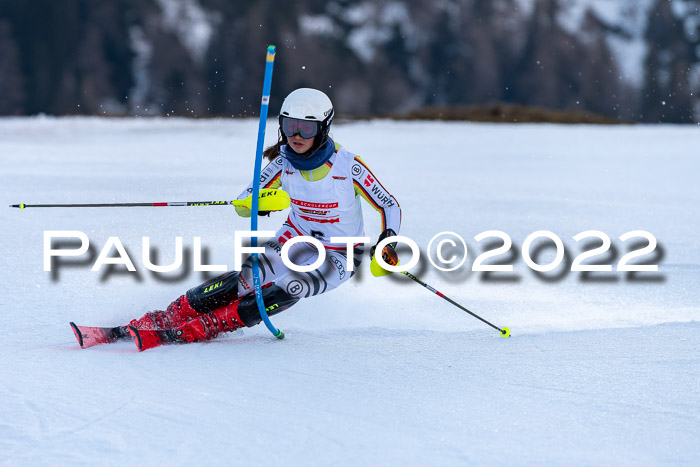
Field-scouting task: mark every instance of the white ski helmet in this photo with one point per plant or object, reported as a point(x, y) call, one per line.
point(309, 105)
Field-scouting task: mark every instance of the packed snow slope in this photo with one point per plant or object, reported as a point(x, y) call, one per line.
point(602, 367)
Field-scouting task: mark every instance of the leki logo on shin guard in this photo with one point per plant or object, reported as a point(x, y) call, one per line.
point(271, 307)
point(213, 287)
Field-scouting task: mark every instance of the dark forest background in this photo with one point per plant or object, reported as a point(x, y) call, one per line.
point(206, 57)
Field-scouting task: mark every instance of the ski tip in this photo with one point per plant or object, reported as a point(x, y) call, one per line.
point(137, 337)
point(78, 334)
point(505, 332)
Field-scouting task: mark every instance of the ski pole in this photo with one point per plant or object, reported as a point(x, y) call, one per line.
point(505, 332)
point(269, 199)
point(22, 206)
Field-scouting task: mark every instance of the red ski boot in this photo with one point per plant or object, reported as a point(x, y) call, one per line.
point(203, 327)
point(178, 312)
point(208, 326)
point(157, 327)
point(147, 339)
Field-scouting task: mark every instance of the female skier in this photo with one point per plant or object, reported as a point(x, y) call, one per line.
point(324, 182)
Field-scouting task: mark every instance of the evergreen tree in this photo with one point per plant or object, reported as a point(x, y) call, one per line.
point(11, 76)
point(666, 95)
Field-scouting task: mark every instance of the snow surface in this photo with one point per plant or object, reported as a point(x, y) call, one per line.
point(380, 371)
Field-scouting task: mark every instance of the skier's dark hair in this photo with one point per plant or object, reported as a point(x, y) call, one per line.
point(272, 152)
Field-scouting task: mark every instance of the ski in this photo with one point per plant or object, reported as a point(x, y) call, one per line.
point(147, 339)
point(88, 336)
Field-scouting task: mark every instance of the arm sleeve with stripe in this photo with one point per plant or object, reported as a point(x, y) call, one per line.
point(269, 178)
point(368, 186)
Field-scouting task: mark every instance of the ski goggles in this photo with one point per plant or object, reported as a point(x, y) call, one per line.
point(304, 128)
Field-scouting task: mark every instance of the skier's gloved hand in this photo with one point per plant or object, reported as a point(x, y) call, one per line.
point(388, 253)
point(242, 211)
point(245, 212)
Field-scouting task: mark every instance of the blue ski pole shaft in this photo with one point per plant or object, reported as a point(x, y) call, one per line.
point(269, 63)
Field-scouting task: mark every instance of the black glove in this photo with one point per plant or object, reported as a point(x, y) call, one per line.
point(388, 253)
point(264, 213)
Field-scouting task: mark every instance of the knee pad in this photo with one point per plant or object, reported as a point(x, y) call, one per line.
point(215, 293)
point(275, 300)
